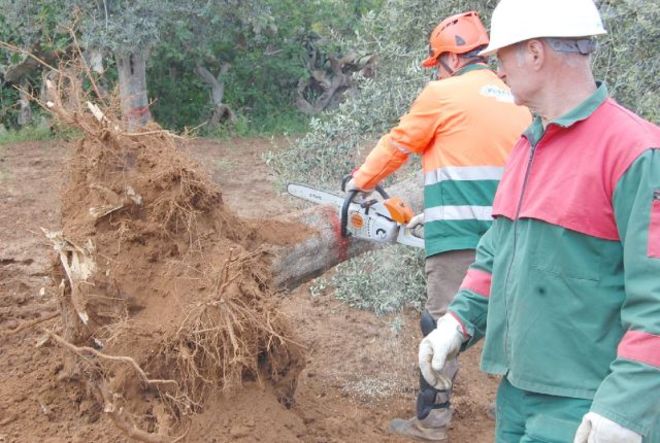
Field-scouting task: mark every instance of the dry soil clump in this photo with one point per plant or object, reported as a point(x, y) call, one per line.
point(164, 294)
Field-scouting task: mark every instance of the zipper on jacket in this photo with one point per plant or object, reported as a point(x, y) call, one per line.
point(515, 240)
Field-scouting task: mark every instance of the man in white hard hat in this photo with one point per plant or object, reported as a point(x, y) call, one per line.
point(565, 287)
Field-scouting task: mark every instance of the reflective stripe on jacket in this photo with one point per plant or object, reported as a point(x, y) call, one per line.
point(464, 128)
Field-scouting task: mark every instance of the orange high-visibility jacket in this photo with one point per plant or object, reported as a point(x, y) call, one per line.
point(464, 128)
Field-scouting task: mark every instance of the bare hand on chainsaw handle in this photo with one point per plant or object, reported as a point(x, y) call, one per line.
point(437, 348)
point(417, 220)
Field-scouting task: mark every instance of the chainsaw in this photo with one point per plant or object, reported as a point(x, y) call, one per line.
point(379, 220)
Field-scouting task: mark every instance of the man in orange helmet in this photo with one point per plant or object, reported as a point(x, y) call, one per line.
point(464, 126)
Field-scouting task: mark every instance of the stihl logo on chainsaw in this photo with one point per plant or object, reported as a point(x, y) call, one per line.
point(357, 221)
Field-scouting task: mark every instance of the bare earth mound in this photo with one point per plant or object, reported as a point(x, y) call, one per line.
point(157, 321)
point(164, 294)
point(360, 369)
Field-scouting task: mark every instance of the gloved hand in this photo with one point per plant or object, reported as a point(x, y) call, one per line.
point(442, 344)
point(417, 220)
point(597, 429)
point(351, 186)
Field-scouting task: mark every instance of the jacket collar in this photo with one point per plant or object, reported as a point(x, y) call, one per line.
point(469, 68)
point(579, 113)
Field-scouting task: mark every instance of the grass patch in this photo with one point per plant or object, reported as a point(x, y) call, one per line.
point(383, 281)
point(284, 123)
point(370, 388)
point(28, 133)
point(37, 133)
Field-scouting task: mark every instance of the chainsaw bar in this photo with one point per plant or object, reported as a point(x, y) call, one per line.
point(314, 195)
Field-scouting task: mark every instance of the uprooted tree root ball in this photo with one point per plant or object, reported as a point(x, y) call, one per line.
point(165, 294)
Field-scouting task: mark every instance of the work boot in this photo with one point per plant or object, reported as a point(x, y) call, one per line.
point(432, 428)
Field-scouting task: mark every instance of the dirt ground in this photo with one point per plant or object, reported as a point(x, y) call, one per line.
point(360, 368)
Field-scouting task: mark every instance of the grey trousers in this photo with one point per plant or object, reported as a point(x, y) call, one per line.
point(444, 275)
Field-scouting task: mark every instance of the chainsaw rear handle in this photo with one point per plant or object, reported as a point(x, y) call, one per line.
point(349, 199)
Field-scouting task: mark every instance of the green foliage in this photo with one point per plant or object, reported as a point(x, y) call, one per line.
point(383, 281)
point(27, 133)
point(397, 32)
point(263, 40)
point(181, 99)
point(37, 132)
point(266, 55)
point(287, 122)
point(27, 23)
point(34, 25)
point(628, 60)
point(8, 106)
point(118, 26)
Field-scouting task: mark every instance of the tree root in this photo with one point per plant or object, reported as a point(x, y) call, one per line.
point(126, 425)
point(30, 324)
point(82, 350)
point(116, 413)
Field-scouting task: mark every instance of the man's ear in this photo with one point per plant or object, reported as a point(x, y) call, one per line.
point(536, 53)
point(455, 61)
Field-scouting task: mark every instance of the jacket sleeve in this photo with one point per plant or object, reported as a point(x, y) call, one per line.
point(630, 394)
point(413, 134)
point(470, 305)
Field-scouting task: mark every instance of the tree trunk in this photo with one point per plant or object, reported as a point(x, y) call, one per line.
point(221, 111)
point(25, 111)
point(293, 265)
point(133, 88)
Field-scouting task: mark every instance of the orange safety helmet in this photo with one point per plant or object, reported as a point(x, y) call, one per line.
point(459, 34)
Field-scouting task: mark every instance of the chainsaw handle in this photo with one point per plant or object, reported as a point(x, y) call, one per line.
point(344, 211)
point(349, 199)
point(378, 188)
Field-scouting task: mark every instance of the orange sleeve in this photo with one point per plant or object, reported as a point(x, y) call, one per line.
point(414, 133)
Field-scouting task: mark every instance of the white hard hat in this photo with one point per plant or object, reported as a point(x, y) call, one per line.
point(515, 21)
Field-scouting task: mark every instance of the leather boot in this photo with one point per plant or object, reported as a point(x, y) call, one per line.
point(432, 428)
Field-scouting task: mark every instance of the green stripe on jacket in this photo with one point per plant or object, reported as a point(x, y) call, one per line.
point(449, 235)
point(452, 235)
point(460, 192)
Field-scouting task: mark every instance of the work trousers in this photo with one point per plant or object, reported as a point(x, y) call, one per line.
point(526, 417)
point(444, 275)
point(530, 417)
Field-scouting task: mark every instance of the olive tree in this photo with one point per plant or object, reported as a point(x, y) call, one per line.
point(121, 33)
point(627, 60)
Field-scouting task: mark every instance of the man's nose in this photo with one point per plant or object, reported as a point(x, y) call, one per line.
point(500, 73)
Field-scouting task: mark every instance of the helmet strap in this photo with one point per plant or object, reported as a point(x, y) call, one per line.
point(446, 67)
point(474, 59)
point(584, 46)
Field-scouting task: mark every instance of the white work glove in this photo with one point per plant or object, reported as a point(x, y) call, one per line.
point(441, 345)
point(417, 220)
point(597, 429)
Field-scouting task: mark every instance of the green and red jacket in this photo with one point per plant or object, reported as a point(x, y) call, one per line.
point(566, 283)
